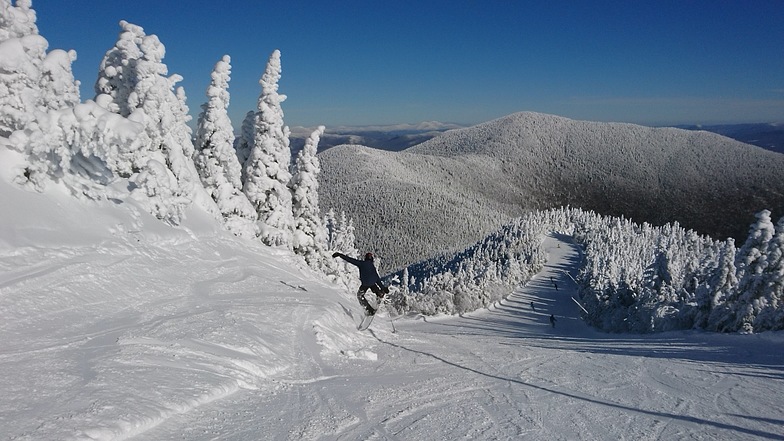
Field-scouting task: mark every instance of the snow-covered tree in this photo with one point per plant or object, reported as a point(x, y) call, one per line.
point(133, 74)
point(30, 78)
point(340, 238)
point(17, 21)
point(58, 86)
point(216, 160)
point(771, 304)
point(267, 168)
point(244, 142)
point(310, 235)
point(753, 272)
point(79, 146)
point(38, 94)
point(713, 312)
point(340, 231)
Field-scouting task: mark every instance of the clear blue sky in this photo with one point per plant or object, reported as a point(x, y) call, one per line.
point(361, 62)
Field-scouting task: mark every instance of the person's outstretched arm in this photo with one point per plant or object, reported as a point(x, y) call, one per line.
point(350, 260)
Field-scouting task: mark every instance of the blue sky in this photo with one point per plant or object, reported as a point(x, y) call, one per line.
point(360, 62)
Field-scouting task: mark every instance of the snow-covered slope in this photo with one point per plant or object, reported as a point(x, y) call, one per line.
point(115, 326)
point(112, 322)
point(533, 161)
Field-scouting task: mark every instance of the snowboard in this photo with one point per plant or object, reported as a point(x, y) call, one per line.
point(365, 323)
point(368, 319)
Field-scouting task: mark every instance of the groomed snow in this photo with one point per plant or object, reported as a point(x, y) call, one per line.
point(115, 326)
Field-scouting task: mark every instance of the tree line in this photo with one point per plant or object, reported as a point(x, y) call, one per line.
point(632, 277)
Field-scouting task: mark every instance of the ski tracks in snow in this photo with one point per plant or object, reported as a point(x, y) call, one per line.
point(506, 373)
point(501, 373)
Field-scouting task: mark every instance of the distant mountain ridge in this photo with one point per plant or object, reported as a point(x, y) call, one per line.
point(451, 190)
point(386, 137)
point(398, 137)
point(765, 135)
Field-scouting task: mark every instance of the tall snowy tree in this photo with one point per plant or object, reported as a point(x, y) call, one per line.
point(310, 235)
point(340, 231)
point(30, 78)
point(133, 74)
point(244, 142)
point(340, 238)
point(216, 161)
point(770, 305)
point(267, 168)
point(34, 84)
point(753, 269)
point(715, 307)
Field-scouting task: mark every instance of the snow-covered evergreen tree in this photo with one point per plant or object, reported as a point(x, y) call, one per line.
point(31, 79)
point(18, 20)
point(770, 306)
point(133, 74)
point(38, 100)
point(341, 233)
point(340, 238)
point(310, 235)
point(216, 160)
point(753, 273)
point(244, 142)
point(713, 312)
point(267, 169)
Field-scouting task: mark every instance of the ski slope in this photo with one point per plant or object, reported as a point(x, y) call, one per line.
point(115, 326)
point(506, 373)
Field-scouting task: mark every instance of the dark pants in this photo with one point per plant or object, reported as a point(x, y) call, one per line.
point(378, 289)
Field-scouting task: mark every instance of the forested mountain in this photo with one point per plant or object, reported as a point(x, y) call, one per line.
point(452, 190)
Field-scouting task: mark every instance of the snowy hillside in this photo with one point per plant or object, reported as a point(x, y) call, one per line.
point(116, 326)
point(113, 322)
point(529, 161)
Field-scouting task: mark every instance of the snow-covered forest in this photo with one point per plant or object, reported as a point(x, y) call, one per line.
point(633, 278)
point(132, 140)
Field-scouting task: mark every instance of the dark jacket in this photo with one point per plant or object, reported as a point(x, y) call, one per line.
point(368, 275)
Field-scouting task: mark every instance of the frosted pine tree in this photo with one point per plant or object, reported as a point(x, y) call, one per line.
point(341, 234)
point(30, 78)
point(754, 274)
point(17, 21)
point(34, 85)
point(134, 76)
point(310, 235)
point(769, 306)
point(215, 159)
point(715, 309)
point(267, 168)
point(340, 238)
point(244, 143)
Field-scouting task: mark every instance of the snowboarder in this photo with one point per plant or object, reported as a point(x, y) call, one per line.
point(552, 320)
point(368, 279)
point(532, 307)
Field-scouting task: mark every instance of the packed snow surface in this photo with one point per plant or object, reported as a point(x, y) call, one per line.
point(115, 326)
